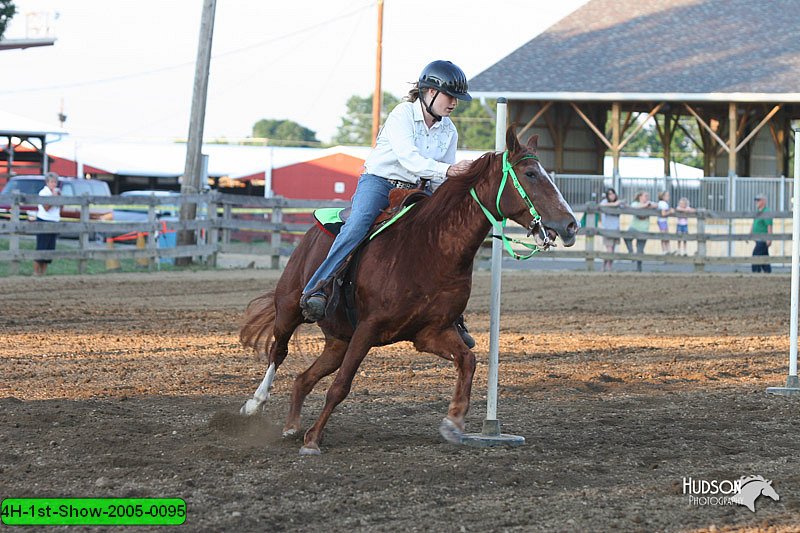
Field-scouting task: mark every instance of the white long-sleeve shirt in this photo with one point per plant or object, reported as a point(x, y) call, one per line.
point(54, 213)
point(408, 150)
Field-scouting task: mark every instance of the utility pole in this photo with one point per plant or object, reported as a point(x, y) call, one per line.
point(377, 95)
point(194, 146)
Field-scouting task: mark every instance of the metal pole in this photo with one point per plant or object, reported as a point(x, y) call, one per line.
point(490, 435)
point(795, 259)
point(494, 306)
point(792, 385)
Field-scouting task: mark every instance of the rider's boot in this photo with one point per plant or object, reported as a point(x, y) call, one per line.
point(464, 332)
point(313, 306)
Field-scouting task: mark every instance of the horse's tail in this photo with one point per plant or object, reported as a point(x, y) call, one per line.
point(258, 323)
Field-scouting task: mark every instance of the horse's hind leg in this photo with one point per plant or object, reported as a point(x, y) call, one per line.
point(284, 328)
point(327, 363)
point(449, 345)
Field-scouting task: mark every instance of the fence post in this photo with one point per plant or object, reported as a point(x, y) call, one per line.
point(226, 223)
point(277, 218)
point(83, 236)
point(699, 262)
point(151, 245)
point(13, 242)
point(213, 234)
point(590, 223)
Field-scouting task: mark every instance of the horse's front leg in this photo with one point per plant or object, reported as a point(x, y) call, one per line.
point(358, 348)
point(449, 345)
point(324, 365)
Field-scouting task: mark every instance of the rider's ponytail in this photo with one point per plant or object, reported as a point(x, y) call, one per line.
point(413, 93)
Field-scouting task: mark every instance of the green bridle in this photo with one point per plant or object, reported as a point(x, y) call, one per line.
point(499, 225)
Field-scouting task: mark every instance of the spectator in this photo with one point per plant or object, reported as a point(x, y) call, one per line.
point(610, 222)
point(683, 223)
point(663, 222)
point(640, 223)
point(762, 225)
point(47, 213)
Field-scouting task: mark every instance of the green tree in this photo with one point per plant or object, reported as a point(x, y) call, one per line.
point(682, 149)
point(7, 11)
point(476, 126)
point(284, 132)
point(356, 126)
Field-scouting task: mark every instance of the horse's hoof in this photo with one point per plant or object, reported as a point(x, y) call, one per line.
point(310, 450)
point(250, 407)
point(450, 431)
point(289, 432)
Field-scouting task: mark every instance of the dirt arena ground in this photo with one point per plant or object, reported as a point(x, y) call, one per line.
point(622, 385)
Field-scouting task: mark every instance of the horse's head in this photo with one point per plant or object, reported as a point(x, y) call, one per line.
point(538, 189)
point(768, 490)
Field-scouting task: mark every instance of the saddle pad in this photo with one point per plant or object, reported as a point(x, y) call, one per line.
point(331, 219)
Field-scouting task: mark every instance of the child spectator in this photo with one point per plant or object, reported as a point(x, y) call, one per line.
point(663, 226)
point(611, 222)
point(683, 223)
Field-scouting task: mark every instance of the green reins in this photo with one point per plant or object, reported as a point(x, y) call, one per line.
point(499, 225)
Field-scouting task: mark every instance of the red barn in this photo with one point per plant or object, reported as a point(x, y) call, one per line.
point(332, 177)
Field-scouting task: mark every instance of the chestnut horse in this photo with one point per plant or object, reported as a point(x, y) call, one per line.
point(413, 281)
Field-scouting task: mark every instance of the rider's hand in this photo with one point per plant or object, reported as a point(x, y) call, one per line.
point(458, 169)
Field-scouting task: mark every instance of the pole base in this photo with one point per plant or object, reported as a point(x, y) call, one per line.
point(491, 437)
point(479, 440)
point(792, 388)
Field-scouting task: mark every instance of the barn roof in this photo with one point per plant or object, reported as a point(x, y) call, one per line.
point(702, 50)
point(11, 124)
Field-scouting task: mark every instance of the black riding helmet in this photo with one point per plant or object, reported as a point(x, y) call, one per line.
point(446, 78)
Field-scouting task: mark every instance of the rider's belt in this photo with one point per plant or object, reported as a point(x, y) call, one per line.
point(400, 184)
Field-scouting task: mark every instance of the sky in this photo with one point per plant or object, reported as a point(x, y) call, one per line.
point(128, 75)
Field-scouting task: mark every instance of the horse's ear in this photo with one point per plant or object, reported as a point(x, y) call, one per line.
point(512, 143)
point(533, 143)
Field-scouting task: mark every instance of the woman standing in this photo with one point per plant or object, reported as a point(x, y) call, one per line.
point(640, 223)
point(47, 213)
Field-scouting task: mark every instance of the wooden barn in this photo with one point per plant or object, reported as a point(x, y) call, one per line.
point(586, 84)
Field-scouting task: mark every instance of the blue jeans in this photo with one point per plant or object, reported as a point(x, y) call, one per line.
point(371, 196)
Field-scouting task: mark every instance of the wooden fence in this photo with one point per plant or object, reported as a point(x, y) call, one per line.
point(273, 225)
point(729, 231)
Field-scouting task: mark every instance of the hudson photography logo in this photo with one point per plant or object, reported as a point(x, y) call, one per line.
point(743, 491)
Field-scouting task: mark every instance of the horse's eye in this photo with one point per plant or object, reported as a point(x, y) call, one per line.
point(531, 174)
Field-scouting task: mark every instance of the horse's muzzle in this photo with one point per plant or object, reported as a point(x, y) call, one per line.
point(567, 231)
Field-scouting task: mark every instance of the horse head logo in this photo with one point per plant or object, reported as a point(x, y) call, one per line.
point(751, 488)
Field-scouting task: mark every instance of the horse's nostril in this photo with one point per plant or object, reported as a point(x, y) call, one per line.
point(572, 228)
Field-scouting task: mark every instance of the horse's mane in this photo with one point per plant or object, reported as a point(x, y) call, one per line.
point(453, 192)
point(745, 480)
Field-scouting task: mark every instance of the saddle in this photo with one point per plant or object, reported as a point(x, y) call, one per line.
point(331, 220)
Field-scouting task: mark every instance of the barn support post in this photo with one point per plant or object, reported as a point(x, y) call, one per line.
point(491, 436)
point(792, 387)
